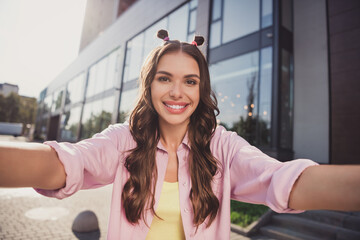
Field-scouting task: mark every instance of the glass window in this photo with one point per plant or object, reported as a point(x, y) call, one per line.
point(58, 96)
point(234, 82)
point(106, 112)
point(178, 23)
point(70, 125)
point(241, 17)
point(286, 100)
point(192, 25)
point(47, 104)
point(91, 82)
point(151, 40)
point(75, 90)
point(265, 94)
point(216, 10)
point(135, 57)
point(100, 75)
point(128, 101)
point(193, 4)
point(43, 131)
point(215, 34)
point(111, 70)
point(266, 15)
point(97, 116)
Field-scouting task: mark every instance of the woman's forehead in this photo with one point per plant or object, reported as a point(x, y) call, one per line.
point(178, 62)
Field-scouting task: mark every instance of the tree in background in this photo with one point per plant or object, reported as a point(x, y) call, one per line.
point(17, 109)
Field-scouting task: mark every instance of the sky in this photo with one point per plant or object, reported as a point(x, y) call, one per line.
point(38, 40)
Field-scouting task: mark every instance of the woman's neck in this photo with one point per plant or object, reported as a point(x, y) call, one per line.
point(171, 136)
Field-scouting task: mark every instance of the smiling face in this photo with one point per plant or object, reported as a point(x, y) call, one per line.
point(175, 90)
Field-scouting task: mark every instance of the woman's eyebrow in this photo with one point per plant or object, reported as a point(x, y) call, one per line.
point(191, 76)
point(186, 76)
point(164, 72)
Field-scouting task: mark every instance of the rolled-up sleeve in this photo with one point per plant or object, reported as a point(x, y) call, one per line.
point(256, 177)
point(90, 163)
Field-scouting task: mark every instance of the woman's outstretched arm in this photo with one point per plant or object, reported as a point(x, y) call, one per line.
point(30, 165)
point(332, 187)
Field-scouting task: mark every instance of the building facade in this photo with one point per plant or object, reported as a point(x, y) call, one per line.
point(285, 72)
point(7, 88)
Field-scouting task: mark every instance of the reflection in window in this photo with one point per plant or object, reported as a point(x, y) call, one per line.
point(91, 82)
point(235, 84)
point(58, 96)
point(47, 104)
point(151, 40)
point(216, 10)
point(43, 131)
point(215, 34)
point(70, 125)
point(266, 15)
point(100, 75)
point(264, 123)
point(234, 19)
point(241, 17)
point(75, 90)
point(111, 71)
point(97, 116)
point(128, 101)
point(134, 57)
point(286, 100)
point(178, 23)
point(192, 23)
point(103, 74)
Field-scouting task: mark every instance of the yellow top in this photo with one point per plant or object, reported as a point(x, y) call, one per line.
point(169, 210)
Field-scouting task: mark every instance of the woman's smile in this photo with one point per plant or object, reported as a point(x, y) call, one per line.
point(176, 107)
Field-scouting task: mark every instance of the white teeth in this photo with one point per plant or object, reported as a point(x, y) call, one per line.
point(175, 106)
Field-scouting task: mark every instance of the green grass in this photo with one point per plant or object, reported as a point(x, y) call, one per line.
point(243, 214)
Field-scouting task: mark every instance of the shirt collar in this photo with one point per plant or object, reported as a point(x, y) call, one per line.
point(185, 142)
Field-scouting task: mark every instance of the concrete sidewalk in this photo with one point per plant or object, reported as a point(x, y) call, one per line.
point(27, 215)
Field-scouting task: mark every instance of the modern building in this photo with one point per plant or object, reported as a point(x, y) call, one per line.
point(285, 72)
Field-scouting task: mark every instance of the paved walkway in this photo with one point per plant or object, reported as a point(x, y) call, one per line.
point(25, 214)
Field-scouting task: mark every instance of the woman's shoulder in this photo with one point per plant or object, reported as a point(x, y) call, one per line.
point(120, 134)
point(221, 134)
point(225, 142)
point(116, 129)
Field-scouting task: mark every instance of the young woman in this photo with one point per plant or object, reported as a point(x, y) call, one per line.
point(174, 171)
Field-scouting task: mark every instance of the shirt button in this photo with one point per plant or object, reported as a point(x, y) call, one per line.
point(184, 184)
point(186, 210)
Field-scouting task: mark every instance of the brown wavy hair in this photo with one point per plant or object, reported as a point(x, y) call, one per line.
point(139, 190)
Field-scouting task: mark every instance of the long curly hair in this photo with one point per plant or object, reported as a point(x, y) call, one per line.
point(139, 190)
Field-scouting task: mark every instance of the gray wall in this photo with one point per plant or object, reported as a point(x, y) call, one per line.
point(311, 81)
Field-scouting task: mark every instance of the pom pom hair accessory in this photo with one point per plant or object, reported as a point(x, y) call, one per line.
point(163, 34)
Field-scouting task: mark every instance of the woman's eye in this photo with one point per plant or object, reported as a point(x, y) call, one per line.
point(191, 82)
point(163, 79)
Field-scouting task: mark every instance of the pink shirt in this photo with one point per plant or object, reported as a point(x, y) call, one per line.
point(248, 175)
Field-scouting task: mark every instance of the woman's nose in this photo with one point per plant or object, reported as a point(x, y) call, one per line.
point(176, 90)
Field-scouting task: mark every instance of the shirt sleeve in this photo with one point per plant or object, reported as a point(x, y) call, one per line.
point(257, 178)
point(90, 163)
